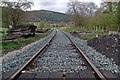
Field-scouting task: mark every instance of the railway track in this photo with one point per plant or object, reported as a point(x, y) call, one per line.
point(70, 51)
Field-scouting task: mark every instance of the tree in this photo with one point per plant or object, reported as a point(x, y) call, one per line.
point(41, 25)
point(61, 24)
point(119, 15)
point(16, 10)
point(79, 10)
point(73, 10)
point(5, 17)
point(111, 15)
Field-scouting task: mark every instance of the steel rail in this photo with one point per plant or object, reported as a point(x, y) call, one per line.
point(94, 68)
point(19, 71)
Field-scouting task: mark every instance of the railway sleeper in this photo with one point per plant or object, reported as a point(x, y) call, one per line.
point(83, 75)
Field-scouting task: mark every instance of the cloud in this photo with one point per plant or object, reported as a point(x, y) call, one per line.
point(47, 3)
point(53, 5)
point(56, 5)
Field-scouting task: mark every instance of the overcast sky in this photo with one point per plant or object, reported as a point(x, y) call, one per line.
point(56, 5)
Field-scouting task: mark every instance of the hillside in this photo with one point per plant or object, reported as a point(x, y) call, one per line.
point(37, 15)
point(50, 15)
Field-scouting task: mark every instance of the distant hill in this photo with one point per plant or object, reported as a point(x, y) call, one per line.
point(49, 16)
point(37, 15)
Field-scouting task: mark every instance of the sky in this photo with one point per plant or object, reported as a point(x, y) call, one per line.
point(56, 5)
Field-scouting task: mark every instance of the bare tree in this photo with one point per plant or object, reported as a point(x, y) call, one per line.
point(114, 9)
point(79, 10)
point(16, 10)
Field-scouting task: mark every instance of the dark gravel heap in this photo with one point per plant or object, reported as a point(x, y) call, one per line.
point(107, 45)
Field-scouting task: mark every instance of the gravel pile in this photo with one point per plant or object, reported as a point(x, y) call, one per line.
point(13, 60)
point(60, 57)
point(100, 60)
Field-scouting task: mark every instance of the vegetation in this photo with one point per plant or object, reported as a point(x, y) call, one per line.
point(84, 29)
point(92, 34)
point(3, 32)
point(118, 14)
point(85, 17)
point(41, 25)
point(87, 36)
point(50, 16)
point(13, 12)
point(69, 29)
point(89, 16)
point(6, 45)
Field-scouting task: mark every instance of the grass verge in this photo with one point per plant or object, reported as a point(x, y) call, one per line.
point(84, 36)
point(10, 46)
point(69, 29)
point(87, 36)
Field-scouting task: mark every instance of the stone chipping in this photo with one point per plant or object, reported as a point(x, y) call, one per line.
point(60, 57)
point(13, 60)
point(101, 61)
